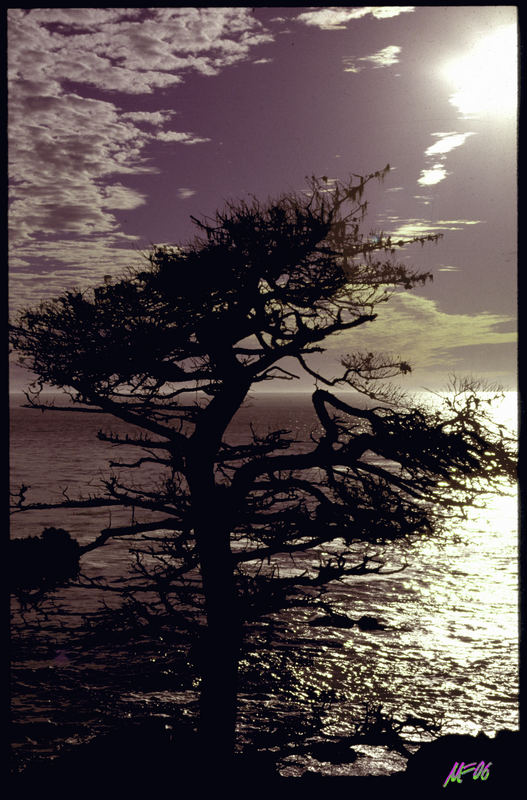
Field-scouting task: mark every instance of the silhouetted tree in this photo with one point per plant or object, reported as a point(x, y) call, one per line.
point(175, 348)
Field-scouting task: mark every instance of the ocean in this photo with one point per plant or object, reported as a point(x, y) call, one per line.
point(449, 648)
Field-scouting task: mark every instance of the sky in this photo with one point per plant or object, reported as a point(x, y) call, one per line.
point(125, 122)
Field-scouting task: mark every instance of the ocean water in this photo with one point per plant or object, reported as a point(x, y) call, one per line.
point(449, 648)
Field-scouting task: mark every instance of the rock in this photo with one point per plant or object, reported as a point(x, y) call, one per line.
point(334, 752)
point(134, 755)
point(333, 620)
point(124, 755)
point(366, 623)
point(433, 762)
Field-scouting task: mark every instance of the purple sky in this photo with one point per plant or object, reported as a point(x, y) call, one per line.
point(124, 122)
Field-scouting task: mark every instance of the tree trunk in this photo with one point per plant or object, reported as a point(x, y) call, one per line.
point(220, 653)
point(220, 647)
point(221, 650)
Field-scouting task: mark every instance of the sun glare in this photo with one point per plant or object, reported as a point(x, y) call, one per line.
point(485, 79)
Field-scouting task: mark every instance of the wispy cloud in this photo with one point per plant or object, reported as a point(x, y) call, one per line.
point(350, 65)
point(150, 117)
point(446, 142)
point(415, 327)
point(70, 151)
point(335, 18)
point(386, 12)
point(421, 227)
point(386, 57)
point(68, 263)
point(179, 136)
point(184, 193)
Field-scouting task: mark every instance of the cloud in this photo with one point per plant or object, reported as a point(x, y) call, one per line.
point(178, 136)
point(72, 143)
point(48, 268)
point(82, 17)
point(63, 149)
point(421, 227)
point(350, 65)
point(449, 222)
point(415, 328)
point(386, 12)
point(335, 18)
point(185, 193)
point(134, 50)
point(429, 177)
point(447, 142)
point(149, 117)
point(122, 197)
point(386, 57)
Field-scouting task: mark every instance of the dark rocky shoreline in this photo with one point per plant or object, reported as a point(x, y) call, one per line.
point(146, 755)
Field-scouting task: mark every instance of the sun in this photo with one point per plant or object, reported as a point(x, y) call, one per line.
point(485, 79)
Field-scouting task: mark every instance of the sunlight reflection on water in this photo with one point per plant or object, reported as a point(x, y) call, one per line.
point(450, 646)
